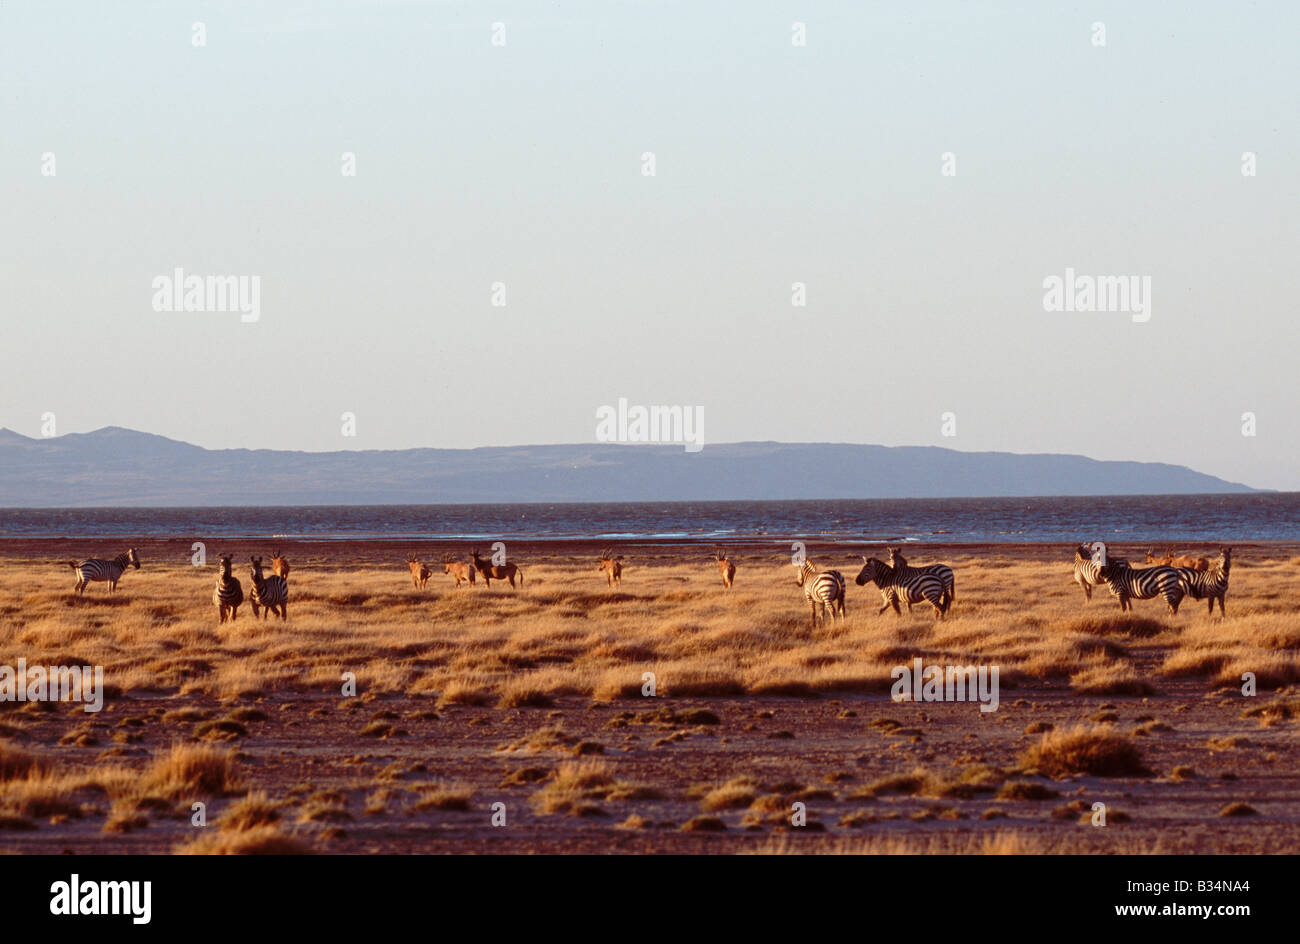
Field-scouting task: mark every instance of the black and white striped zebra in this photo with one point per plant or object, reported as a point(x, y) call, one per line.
point(821, 588)
point(1211, 584)
point(227, 594)
point(1087, 572)
point(104, 570)
point(942, 571)
point(895, 585)
point(269, 593)
point(1142, 583)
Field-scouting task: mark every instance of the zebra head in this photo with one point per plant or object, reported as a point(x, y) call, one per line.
point(132, 559)
point(896, 559)
point(872, 569)
point(1225, 559)
point(255, 571)
point(225, 564)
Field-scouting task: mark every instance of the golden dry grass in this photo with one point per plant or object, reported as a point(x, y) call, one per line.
point(569, 636)
point(566, 638)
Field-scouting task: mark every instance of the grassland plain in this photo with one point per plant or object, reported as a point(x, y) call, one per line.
point(477, 705)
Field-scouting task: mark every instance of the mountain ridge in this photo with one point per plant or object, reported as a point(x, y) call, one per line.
point(116, 466)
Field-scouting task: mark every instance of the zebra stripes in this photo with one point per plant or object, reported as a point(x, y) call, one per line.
point(911, 588)
point(822, 589)
point(1143, 583)
point(227, 594)
point(1087, 572)
point(270, 593)
point(1211, 584)
point(942, 571)
point(110, 571)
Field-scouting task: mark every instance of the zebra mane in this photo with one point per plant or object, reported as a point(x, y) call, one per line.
point(882, 567)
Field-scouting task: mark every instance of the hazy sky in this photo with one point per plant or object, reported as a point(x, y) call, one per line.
point(775, 164)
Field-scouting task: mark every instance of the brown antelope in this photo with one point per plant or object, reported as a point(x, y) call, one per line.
point(459, 569)
point(726, 569)
point(1160, 561)
point(1191, 563)
point(611, 566)
point(279, 565)
point(490, 571)
point(419, 573)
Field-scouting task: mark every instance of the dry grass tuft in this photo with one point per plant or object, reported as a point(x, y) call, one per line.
point(443, 796)
point(1238, 809)
point(251, 812)
point(191, 770)
point(1096, 751)
point(260, 840)
point(1112, 679)
point(16, 762)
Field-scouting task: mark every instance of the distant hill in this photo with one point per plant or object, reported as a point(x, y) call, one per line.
point(122, 467)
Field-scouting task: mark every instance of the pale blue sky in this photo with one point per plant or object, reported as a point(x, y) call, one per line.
point(775, 164)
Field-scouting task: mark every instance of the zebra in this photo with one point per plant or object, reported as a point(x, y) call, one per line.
point(108, 570)
point(942, 571)
point(911, 588)
point(821, 588)
point(271, 593)
point(1211, 584)
point(1142, 583)
point(227, 594)
point(1087, 572)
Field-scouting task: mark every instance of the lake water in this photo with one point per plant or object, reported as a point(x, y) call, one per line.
point(1155, 518)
